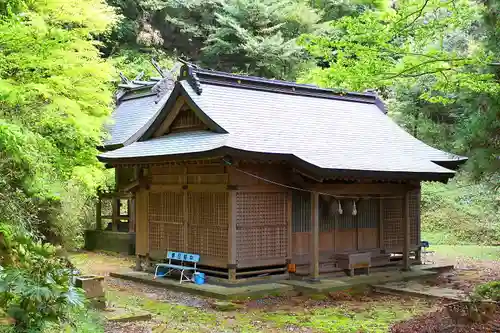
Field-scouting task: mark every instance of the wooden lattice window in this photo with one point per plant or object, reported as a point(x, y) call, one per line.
point(208, 223)
point(166, 221)
point(301, 211)
point(261, 225)
point(393, 223)
point(368, 213)
point(415, 217)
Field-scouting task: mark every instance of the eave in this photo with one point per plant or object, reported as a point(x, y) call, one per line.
point(294, 161)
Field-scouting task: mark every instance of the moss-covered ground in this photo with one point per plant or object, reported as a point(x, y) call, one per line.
point(178, 312)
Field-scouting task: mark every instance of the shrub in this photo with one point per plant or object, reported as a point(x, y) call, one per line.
point(489, 290)
point(460, 213)
point(35, 282)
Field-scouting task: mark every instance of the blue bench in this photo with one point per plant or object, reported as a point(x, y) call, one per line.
point(180, 258)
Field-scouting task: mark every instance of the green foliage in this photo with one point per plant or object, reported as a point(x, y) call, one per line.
point(489, 290)
point(79, 320)
point(251, 36)
point(54, 98)
point(461, 213)
point(377, 48)
point(132, 62)
point(335, 9)
point(434, 61)
point(35, 282)
point(258, 37)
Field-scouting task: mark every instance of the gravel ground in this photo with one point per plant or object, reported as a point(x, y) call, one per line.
point(132, 327)
point(157, 293)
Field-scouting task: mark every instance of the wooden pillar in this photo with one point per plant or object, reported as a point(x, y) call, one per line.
point(231, 236)
point(98, 215)
point(131, 215)
point(142, 223)
point(381, 244)
point(185, 204)
point(406, 231)
point(289, 226)
point(115, 213)
point(315, 236)
point(185, 234)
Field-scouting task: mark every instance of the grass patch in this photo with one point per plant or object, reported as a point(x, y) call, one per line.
point(178, 317)
point(477, 252)
point(99, 262)
point(355, 317)
point(85, 321)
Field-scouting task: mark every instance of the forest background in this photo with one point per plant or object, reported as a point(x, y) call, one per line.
point(436, 63)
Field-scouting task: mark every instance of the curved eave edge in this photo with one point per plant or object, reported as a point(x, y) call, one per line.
point(292, 159)
point(452, 164)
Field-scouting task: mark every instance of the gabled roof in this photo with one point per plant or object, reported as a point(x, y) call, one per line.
point(134, 110)
point(322, 130)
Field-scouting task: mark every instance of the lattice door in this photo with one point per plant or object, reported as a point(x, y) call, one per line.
point(415, 217)
point(166, 221)
point(261, 225)
point(393, 221)
point(208, 223)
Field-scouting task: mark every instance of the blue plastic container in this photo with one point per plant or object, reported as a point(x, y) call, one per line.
point(199, 278)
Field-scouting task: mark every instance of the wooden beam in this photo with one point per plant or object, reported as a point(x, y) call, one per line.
point(315, 236)
point(130, 186)
point(406, 231)
point(362, 189)
point(115, 195)
point(190, 187)
point(170, 117)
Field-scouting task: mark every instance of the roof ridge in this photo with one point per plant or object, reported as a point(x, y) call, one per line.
point(196, 76)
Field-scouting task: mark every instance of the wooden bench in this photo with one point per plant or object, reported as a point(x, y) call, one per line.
point(349, 261)
point(181, 259)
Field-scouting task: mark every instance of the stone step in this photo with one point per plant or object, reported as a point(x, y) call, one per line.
point(424, 292)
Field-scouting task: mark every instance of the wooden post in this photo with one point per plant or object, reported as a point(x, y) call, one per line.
point(185, 234)
point(289, 224)
point(315, 236)
point(185, 203)
point(406, 231)
point(381, 244)
point(142, 223)
point(231, 234)
point(131, 215)
point(114, 214)
point(98, 215)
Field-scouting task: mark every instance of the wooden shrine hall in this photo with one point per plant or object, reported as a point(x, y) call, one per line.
point(267, 178)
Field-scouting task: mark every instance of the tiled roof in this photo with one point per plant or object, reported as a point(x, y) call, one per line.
point(133, 111)
point(325, 132)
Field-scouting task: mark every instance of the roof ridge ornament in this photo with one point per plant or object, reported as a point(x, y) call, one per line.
point(124, 79)
point(167, 83)
point(188, 73)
